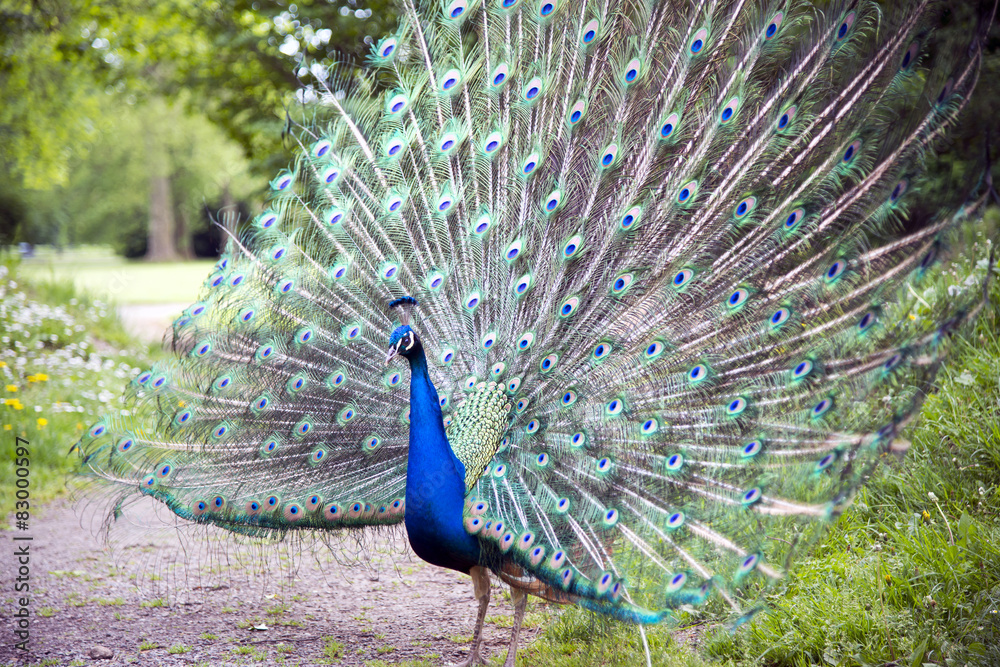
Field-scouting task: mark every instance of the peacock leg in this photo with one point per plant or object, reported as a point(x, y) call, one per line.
point(520, 600)
point(481, 589)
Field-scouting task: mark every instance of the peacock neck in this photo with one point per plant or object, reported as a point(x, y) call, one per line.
point(426, 419)
point(435, 481)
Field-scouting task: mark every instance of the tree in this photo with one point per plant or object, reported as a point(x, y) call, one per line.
point(110, 194)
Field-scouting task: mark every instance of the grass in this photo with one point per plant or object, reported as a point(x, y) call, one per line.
point(332, 648)
point(154, 604)
point(110, 278)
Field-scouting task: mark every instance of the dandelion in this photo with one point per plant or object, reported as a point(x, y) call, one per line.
point(11, 387)
point(926, 515)
point(3, 364)
point(79, 426)
point(7, 427)
point(41, 377)
point(932, 496)
point(42, 422)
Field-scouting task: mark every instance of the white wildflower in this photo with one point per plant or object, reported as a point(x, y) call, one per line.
point(966, 379)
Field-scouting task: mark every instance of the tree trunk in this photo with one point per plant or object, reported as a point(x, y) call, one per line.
point(160, 247)
point(182, 240)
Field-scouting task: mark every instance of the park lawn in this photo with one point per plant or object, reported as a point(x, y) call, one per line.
point(103, 275)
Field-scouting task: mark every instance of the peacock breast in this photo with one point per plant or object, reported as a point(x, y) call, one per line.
point(477, 429)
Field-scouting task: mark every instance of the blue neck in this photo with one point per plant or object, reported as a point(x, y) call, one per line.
point(435, 481)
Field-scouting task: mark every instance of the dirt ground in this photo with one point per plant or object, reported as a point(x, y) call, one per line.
point(327, 614)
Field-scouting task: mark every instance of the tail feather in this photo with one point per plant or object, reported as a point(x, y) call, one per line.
point(670, 230)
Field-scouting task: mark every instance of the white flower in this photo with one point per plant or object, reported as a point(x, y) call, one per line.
point(966, 379)
point(930, 494)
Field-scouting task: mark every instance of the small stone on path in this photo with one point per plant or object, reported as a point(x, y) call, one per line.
point(100, 653)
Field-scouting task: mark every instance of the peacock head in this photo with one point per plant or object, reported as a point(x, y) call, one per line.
point(403, 341)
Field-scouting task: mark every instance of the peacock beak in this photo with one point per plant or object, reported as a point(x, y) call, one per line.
point(391, 354)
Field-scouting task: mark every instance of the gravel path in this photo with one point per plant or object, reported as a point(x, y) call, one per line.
point(328, 614)
point(147, 322)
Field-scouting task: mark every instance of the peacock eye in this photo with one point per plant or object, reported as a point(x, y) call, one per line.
point(773, 25)
point(698, 41)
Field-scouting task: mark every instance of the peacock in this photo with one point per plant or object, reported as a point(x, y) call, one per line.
point(617, 303)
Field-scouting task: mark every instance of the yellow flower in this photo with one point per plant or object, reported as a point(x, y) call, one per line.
point(181, 404)
point(6, 427)
point(30, 378)
point(12, 387)
point(18, 406)
point(927, 515)
point(79, 426)
point(3, 364)
point(42, 421)
point(41, 377)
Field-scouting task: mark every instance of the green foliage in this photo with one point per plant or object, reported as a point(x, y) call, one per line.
point(48, 90)
point(106, 197)
point(959, 161)
point(247, 64)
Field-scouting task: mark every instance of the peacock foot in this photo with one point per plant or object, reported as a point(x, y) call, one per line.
point(474, 659)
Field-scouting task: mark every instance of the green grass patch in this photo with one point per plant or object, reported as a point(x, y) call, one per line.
point(154, 604)
point(100, 272)
point(332, 649)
